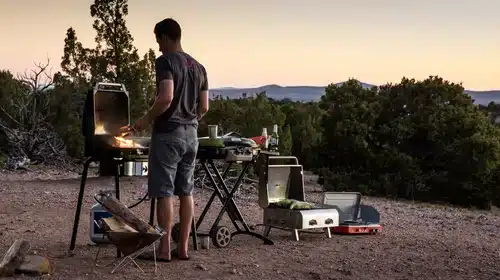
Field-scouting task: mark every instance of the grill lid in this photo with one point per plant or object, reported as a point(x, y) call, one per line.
point(280, 182)
point(111, 108)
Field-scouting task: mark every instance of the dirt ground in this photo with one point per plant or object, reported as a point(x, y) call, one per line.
point(419, 241)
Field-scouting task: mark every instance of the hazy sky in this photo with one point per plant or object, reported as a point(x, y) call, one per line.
point(286, 42)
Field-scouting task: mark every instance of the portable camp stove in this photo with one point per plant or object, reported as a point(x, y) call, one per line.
point(355, 218)
point(282, 182)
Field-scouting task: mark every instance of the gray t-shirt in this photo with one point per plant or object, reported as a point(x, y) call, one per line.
point(190, 78)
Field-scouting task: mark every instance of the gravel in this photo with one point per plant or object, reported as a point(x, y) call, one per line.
point(419, 241)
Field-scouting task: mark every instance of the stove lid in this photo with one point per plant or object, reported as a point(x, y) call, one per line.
point(346, 203)
point(111, 108)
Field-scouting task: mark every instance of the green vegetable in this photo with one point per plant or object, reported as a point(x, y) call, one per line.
point(293, 204)
point(300, 205)
point(285, 203)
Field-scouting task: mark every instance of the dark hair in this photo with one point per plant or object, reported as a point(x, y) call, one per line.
point(170, 28)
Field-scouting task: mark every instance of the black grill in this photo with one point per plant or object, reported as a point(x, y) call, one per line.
point(107, 108)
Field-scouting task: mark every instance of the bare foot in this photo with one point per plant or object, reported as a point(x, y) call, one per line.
point(181, 254)
point(164, 255)
point(164, 250)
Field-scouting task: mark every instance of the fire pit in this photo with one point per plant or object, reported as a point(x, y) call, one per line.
point(106, 110)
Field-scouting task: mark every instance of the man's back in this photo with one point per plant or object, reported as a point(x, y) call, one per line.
point(189, 78)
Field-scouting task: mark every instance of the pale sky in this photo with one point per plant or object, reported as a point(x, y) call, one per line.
point(286, 42)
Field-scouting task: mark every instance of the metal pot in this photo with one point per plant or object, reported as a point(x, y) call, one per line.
point(128, 168)
point(135, 168)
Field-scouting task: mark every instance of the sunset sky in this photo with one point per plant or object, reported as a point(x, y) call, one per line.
point(287, 42)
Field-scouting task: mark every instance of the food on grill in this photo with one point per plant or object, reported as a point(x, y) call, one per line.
point(300, 205)
point(126, 143)
point(292, 204)
point(284, 203)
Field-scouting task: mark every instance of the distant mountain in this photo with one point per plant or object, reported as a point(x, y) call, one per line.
point(312, 93)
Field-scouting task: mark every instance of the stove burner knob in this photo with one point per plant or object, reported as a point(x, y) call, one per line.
point(328, 221)
point(313, 222)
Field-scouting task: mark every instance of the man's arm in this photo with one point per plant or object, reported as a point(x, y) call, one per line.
point(203, 104)
point(165, 89)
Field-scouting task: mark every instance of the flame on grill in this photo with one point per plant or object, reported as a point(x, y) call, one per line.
point(119, 142)
point(99, 129)
point(126, 143)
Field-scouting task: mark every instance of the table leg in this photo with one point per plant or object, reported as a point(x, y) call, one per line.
point(229, 203)
point(217, 191)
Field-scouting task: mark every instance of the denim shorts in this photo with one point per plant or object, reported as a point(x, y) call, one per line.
point(172, 159)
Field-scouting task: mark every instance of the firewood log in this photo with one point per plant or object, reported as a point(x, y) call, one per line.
point(14, 258)
point(123, 213)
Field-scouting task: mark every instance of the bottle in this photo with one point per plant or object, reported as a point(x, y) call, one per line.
point(97, 212)
point(274, 140)
point(266, 138)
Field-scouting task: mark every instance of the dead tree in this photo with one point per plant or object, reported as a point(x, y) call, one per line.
point(31, 136)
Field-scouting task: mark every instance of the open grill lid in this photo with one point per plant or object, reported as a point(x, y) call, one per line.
point(280, 181)
point(111, 108)
point(107, 109)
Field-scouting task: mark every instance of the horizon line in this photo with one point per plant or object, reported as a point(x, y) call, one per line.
point(323, 86)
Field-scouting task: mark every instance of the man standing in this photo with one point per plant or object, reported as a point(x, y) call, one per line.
point(181, 100)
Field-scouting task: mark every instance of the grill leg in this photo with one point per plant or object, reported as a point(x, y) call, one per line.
point(117, 193)
point(328, 232)
point(79, 203)
point(117, 181)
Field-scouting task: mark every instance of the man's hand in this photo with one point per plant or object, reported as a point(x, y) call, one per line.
point(141, 123)
point(125, 130)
